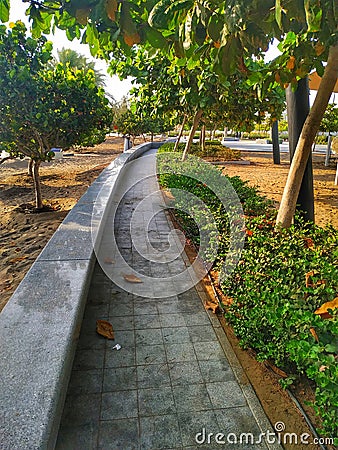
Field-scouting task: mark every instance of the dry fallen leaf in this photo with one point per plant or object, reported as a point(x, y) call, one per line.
point(309, 282)
point(213, 306)
point(105, 329)
point(132, 278)
point(108, 261)
point(323, 368)
point(18, 259)
point(323, 310)
point(314, 334)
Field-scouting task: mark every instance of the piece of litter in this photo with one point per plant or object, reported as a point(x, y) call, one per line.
point(117, 347)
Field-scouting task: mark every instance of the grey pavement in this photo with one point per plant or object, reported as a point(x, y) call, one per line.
point(175, 383)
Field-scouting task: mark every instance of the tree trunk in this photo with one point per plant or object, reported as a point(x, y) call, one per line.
point(275, 143)
point(328, 150)
point(289, 199)
point(193, 129)
point(180, 133)
point(298, 108)
point(30, 167)
point(37, 184)
point(203, 138)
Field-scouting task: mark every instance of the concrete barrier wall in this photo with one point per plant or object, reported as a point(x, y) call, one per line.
point(40, 325)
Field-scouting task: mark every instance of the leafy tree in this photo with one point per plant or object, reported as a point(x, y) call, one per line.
point(78, 61)
point(41, 109)
point(220, 33)
point(330, 119)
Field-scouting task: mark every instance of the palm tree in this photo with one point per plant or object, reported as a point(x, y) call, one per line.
point(78, 61)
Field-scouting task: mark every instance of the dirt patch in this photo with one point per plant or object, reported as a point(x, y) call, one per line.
point(24, 234)
point(271, 178)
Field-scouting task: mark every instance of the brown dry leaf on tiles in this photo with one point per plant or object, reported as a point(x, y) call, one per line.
point(314, 334)
point(323, 310)
point(105, 329)
point(132, 279)
point(213, 306)
point(108, 261)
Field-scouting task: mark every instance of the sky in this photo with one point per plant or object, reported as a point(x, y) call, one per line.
point(114, 85)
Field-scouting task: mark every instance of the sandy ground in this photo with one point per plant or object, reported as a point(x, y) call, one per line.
point(64, 181)
point(23, 235)
point(271, 178)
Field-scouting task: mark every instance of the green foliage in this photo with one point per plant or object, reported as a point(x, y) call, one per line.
point(41, 109)
point(212, 149)
point(273, 306)
point(252, 203)
point(330, 120)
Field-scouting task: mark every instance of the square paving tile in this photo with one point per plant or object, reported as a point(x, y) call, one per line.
point(82, 437)
point(202, 333)
point(126, 338)
point(153, 402)
point(185, 373)
point(122, 323)
point(143, 307)
point(120, 358)
point(160, 432)
point(196, 318)
point(119, 405)
point(168, 306)
point(76, 411)
point(225, 394)
point(180, 352)
point(121, 309)
point(150, 354)
point(143, 322)
point(153, 375)
point(151, 336)
point(191, 398)
point(176, 335)
point(119, 434)
point(209, 350)
point(85, 382)
point(196, 427)
point(216, 370)
point(120, 378)
point(86, 359)
point(172, 320)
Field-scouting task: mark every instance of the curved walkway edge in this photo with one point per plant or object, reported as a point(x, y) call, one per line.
point(39, 327)
point(175, 383)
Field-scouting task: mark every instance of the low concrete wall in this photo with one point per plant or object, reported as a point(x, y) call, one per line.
point(40, 325)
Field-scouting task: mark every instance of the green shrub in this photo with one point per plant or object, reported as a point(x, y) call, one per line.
point(273, 309)
point(211, 150)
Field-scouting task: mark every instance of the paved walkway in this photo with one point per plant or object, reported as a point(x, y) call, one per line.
point(174, 375)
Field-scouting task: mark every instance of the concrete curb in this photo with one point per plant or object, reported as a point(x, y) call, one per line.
point(40, 325)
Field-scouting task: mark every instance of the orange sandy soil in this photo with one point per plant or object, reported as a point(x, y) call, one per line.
point(22, 234)
point(271, 178)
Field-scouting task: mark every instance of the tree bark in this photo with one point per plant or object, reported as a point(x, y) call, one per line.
point(275, 143)
point(303, 150)
point(30, 167)
point(193, 129)
point(203, 138)
point(37, 184)
point(298, 108)
point(180, 133)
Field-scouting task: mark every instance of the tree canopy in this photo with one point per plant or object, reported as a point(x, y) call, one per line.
point(43, 109)
point(218, 36)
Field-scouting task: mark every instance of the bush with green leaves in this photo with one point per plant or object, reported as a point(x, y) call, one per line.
point(273, 306)
point(212, 149)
